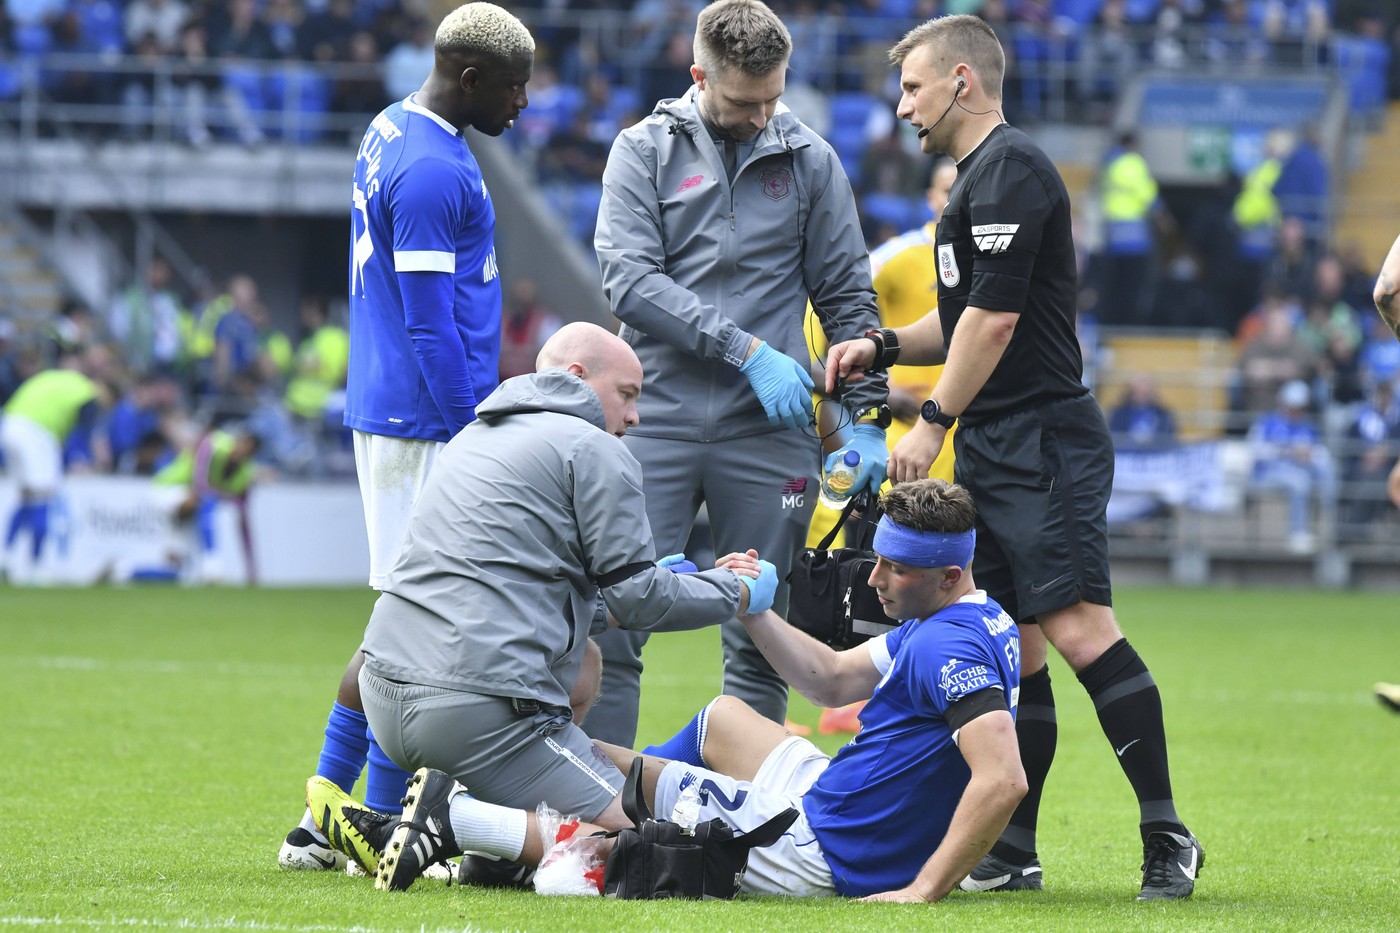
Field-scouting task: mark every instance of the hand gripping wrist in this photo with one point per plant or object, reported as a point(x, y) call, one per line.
point(886, 348)
point(762, 590)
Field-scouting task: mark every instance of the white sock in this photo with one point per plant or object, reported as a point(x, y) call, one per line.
point(486, 827)
point(308, 823)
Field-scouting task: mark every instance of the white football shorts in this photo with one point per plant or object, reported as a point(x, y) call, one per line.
point(794, 865)
point(392, 471)
point(32, 454)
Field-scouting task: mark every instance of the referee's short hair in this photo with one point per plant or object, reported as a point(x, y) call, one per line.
point(475, 29)
point(958, 38)
point(741, 35)
point(930, 504)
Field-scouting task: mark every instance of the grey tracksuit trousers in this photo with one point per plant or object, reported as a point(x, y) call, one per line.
point(759, 492)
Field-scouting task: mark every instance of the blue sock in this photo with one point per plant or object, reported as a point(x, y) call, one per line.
point(343, 752)
point(685, 745)
point(19, 520)
point(38, 527)
point(386, 782)
point(204, 521)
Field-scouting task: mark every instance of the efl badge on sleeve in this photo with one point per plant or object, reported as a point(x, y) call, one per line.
point(948, 272)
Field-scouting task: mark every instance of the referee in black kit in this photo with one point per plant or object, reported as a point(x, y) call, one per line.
point(1033, 447)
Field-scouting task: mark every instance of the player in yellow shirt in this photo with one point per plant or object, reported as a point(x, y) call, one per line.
point(45, 409)
point(906, 288)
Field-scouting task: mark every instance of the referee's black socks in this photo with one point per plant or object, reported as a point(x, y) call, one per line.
point(1036, 733)
point(1130, 711)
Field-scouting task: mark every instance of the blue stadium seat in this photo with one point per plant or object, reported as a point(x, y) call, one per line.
point(899, 212)
point(1078, 11)
point(1141, 10)
point(248, 82)
point(101, 24)
point(1363, 65)
point(305, 91)
point(852, 109)
point(32, 39)
point(583, 216)
point(904, 9)
point(627, 99)
point(551, 109)
point(9, 81)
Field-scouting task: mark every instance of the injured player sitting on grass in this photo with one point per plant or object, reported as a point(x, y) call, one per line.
point(903, 812)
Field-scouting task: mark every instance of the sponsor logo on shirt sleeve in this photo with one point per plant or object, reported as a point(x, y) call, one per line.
point(959, 678)
point(993, 238)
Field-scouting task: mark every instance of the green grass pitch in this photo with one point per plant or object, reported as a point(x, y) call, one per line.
point(155, 742)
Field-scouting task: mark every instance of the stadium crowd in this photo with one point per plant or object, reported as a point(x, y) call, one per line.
point(1256, 259)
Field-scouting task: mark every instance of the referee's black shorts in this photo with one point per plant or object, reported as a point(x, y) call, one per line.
point(1040, 479)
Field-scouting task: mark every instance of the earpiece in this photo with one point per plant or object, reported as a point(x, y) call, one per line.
point(962, 83)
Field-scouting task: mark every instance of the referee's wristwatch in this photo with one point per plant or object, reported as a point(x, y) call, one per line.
point(879, 415)
point(886, 348)
point(933, 413)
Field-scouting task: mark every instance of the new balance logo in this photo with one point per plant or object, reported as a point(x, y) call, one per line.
point(794, 492)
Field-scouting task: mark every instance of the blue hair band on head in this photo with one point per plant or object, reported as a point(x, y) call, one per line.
point(903, 545)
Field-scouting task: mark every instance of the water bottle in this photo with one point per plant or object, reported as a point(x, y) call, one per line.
point(836, 485)
point(686, 812)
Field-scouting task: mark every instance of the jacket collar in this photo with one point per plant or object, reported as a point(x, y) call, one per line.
point(782, 132)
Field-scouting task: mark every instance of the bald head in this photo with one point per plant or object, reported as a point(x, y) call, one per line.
point(579, 342)
point(605, 362)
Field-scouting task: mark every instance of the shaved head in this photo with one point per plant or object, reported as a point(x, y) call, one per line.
point(581, 342)
point(603, 360)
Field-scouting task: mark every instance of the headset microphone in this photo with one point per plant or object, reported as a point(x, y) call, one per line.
point(962, 83)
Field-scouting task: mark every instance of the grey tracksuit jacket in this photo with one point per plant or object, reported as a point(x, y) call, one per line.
point(695, 267)
point(525, 511)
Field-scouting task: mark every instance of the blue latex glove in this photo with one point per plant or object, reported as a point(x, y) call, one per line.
point(761, 591)
point(676, 563)
point(868, 441)
point(783, 386)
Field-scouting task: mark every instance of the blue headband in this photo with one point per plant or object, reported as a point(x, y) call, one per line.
point(902, 545)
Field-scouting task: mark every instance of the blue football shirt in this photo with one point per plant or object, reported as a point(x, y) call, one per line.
point(425, 294)
point(884, 803)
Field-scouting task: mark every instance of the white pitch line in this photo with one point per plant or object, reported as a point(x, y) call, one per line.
point(150, 666)
point(186, 923)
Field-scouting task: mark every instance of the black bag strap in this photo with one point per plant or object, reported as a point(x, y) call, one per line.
point(766, 834)
point(830, 536)
point(867, 520)
point(634, 803)
point(865, 523)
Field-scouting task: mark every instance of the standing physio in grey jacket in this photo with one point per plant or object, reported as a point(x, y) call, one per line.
point(722, 214)
point(529, 513)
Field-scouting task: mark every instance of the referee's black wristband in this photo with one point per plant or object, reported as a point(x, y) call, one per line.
point(886, 348)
